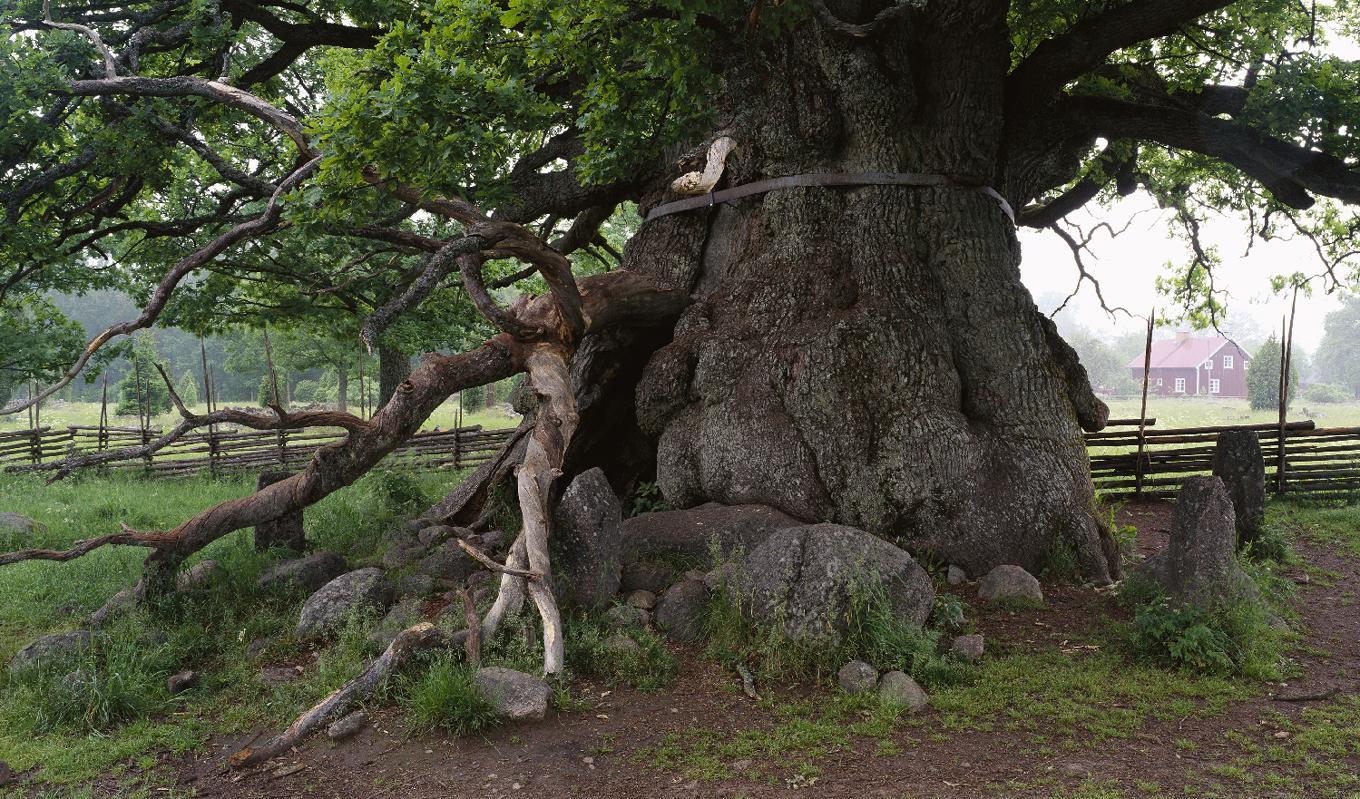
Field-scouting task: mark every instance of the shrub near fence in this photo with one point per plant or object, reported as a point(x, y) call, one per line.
point(1322, 463)
point(227, 449)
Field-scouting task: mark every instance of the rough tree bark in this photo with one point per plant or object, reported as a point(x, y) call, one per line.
point(869, 356)
point(342, 389)
point(393, 367)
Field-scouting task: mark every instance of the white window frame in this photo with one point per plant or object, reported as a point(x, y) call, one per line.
point(1227, 361)
point(1209, 365)
point(1159, 382)
point(1179, 387)
point(1214, 385)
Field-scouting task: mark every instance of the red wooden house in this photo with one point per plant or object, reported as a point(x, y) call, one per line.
point(1192, 365)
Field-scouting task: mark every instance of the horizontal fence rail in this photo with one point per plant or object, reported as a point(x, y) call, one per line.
point(228, 449)
point(1317, 463)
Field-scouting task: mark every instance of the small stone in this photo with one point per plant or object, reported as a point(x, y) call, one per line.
point(643, 576)
point(626, 617)
point(200, 576)
point(514, 694)
point(740, 766)
point(434, 534)
point(956, 575)
point(645, 600)
point(7, 776)
point(179, 683)
point(1009, 583)
point(402, 615)
point(896, 688)
point(618, 642)
point(681, 610)
point(348, 726)
point(287, 771)
point(969, 647)
point(857, 677)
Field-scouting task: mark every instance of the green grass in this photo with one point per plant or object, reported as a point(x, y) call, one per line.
point(125, 712)
point(445, 696)
point(1203, 411)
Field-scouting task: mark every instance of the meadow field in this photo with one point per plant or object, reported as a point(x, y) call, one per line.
point(59, 413)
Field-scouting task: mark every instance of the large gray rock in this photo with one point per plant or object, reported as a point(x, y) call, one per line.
point(693, 531)
point(1199, 564)
point(17, 531)
point(51, 650)
point(514, 694)
point(969, 647)
point(680, 613)
point(1010, 584)
point(309, 573)
point(365, 591)
point(802, 578)
point(587, 560)
point(1239, 464)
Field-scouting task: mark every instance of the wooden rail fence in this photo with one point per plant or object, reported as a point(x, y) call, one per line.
point(225, 450)
point(1321, 463)
point(1316, 463)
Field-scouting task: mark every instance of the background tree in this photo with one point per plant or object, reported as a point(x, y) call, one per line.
point(142, 390)
point(1263, 377)
point(1338, 356)
point(37, 343)
point(187, 388)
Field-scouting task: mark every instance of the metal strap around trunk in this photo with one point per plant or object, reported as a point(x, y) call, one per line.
point(825, 179)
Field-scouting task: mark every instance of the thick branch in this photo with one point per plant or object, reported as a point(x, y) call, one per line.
point(1287, 170)
point(198, 87)
point(1065, 57)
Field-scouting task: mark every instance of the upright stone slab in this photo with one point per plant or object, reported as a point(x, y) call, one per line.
point(286, 530)
point(1199, 564)
point(1238, 462)
point(587, 561)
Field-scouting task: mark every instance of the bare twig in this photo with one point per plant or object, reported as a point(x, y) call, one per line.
point(485, 560)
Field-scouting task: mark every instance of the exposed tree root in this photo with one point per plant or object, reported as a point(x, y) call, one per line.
point(410, 641)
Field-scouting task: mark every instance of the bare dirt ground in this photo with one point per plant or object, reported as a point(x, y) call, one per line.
point(602, 752)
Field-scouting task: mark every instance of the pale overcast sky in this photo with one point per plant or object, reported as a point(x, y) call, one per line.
point(1128, 265)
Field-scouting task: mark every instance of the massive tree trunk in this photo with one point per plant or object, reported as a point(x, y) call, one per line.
point(869, 355)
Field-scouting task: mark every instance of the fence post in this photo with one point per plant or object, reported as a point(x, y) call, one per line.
point(1142, 412)
point(103, 439)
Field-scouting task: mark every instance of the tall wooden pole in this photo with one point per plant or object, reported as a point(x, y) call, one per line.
point(274, 390)
point(1142, 411)
point(208, 405)
point(1286, 348)
point(104, 414)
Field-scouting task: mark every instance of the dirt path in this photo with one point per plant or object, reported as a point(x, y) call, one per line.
point(609, 750)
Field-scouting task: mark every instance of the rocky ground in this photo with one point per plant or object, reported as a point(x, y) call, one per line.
point(1053, 712)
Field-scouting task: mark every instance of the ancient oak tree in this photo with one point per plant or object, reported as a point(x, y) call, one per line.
point(854, 347)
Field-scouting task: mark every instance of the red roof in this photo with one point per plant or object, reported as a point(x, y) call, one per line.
point(1185, 353)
